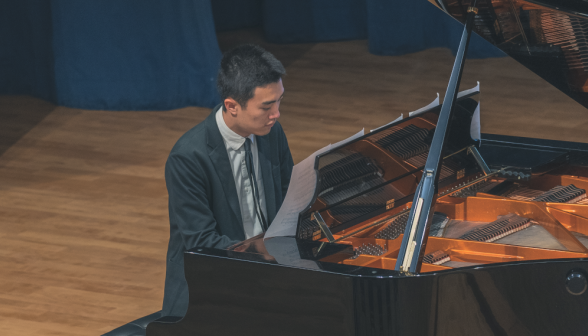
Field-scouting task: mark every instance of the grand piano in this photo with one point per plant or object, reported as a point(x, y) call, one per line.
point(503, 247)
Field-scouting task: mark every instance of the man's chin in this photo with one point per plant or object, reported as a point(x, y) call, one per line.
point(264, 131)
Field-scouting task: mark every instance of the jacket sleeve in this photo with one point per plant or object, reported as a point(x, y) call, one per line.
point(286, 163)
point(190, 204)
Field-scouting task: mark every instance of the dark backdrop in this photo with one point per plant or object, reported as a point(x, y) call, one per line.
point(162, 54)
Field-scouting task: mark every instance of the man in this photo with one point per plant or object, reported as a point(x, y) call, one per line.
point(227, 176)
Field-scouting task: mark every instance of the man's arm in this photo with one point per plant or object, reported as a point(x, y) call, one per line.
point(189, 204)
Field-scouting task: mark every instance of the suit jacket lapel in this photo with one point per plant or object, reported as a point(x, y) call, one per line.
point(263, 151)
point(220, 159)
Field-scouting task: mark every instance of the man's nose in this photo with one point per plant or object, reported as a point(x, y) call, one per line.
point(275, 113)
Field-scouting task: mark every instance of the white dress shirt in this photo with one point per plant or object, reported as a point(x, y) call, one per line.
point(234, 145)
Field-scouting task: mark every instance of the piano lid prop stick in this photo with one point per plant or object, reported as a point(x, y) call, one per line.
point(479, 160)
point(412, 244)
point(421, 215)
point(316, 216)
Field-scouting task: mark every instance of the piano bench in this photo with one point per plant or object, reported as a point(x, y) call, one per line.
point(136, 327)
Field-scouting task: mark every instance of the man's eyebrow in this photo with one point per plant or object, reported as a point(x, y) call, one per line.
point(273, 101)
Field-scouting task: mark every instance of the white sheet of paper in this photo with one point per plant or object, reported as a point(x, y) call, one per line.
point(300, 193)
point(434, 103)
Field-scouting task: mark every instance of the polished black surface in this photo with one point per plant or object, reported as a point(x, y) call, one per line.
point(576, 282)
point(546, 36)
point(575, 7)
point(247, 293)
point(538, 155)
point(289, 251)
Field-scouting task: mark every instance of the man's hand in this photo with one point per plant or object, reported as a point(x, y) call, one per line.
point(255, 245)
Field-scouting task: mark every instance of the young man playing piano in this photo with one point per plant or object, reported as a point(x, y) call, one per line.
point(227, 176)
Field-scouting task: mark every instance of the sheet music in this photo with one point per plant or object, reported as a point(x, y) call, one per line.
point(300, 193)
point(434, 103)
point(298, 197)
point(393, 121)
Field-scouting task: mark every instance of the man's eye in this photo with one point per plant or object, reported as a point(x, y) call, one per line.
point(265, 108)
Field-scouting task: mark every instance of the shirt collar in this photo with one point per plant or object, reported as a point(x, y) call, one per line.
point(232, 139)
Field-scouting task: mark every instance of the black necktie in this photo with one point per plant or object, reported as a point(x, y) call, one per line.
point(253, 181)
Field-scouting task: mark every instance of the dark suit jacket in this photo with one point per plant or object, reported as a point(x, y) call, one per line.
point(203, 203)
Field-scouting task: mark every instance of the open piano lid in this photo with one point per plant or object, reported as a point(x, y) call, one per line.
point(547, 36)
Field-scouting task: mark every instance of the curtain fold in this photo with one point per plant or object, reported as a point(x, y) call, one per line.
point(134, 54)
point(301, 21)
point(110, 54)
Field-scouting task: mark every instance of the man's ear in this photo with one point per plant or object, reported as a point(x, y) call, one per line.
point(232, 106)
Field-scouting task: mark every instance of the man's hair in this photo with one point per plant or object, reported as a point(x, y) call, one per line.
point(245, 68)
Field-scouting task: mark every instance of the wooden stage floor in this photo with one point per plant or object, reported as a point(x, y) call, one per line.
point(83, 203)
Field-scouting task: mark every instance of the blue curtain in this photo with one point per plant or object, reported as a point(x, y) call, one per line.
point(402, 27)
point(237, 14)
point(110, 54)
point(298, 21)
point(392, 27)
point(158, 54)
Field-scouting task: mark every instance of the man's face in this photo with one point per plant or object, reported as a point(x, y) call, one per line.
point(262, 112)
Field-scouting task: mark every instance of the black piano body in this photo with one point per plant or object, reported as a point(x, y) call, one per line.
point(235, 294)
point(506, 252)
point(316, 288)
